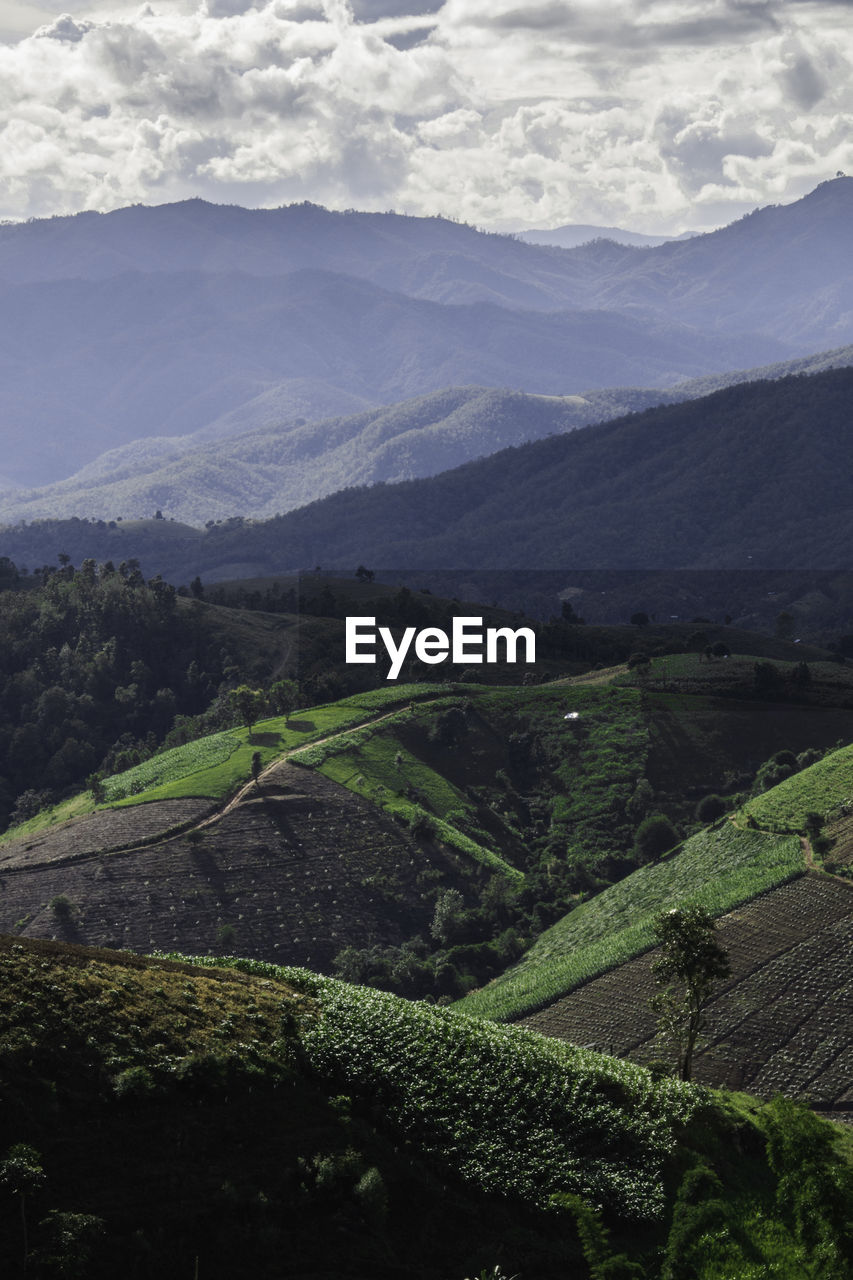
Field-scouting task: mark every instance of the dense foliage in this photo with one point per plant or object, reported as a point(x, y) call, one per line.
point(95, 664)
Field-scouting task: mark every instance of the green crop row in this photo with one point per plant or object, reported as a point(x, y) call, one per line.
point(516, 1113)
point(180, 762)
point(717, 869)
point(821, 788)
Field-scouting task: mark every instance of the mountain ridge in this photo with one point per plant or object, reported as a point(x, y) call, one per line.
point(277, 466)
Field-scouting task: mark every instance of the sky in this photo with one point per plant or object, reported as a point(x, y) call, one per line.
point(654, 115)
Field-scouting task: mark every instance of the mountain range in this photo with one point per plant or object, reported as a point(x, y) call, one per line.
point(166, 321)
point(274, 467)
point(757, 475)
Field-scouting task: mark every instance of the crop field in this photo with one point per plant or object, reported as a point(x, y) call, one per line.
point(213, 767)
point(179, 763)
point(517, 1114)
point(293, 873)
point(718, 869)
point(823, 788)
point(780, 1023)
point(373, 762)
point(101, 832)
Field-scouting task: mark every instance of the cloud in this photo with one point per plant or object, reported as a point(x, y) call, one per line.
point(373, 10)
point(656, 115)
point(63, 28)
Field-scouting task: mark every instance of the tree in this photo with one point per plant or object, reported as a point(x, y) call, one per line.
point(248, 703)
point(22, 1175)
point(690, 964)
point(363, 574)
point(447, 917)
point(639, 619)
point(285, 695)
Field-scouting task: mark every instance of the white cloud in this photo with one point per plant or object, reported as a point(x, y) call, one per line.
point(655, 115)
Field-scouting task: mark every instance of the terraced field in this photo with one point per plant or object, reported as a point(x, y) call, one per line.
point(718, 869)
point(782, 1022)
point(292, 873)
point(101, 832)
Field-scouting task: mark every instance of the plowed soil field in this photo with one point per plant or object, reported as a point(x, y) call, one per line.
point(783, 1022)
point(292, 873)
point(102, 832)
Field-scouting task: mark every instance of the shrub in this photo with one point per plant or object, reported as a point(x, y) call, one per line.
point(710, 808)
point(372, 1196)
point(700, 1211)
point(134, 1085)
point(654, 836)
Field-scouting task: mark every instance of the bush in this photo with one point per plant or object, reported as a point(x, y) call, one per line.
point(134, 1085)
point(654, 836)
point(372, 1196)
point(710, 808)
point(700, 1211)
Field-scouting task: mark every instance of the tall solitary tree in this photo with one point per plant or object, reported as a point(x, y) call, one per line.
point(690, 964)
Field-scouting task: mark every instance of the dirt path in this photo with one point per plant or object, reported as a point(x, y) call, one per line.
point(255, 786)
point(605, 676)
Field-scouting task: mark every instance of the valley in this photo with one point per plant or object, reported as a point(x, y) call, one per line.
point(330, 969)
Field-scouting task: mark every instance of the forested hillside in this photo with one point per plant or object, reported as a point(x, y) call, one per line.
point(262, 459)
point(753, 476)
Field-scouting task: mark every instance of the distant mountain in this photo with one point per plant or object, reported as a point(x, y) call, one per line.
point(160, 322)
point(755, 476)
point(88, 365)
point(785, 270)
point(287, 463)
point(574, 234)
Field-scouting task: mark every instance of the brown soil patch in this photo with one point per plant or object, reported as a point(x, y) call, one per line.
point(102, 832)
point(292, 873)
point(782, 1023)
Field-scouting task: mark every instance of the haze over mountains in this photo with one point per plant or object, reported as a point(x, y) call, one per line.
point(577, 233)
point(757, 475)
point(161, 322)
point(277, 466)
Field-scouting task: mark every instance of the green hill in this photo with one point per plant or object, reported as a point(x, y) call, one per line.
point(719, 869)
point(270, 1115)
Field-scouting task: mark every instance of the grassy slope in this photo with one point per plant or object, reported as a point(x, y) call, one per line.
point(215, 766)
point(363, 1135)
point(588, 767)
point(822, 789)
point(718, 869)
